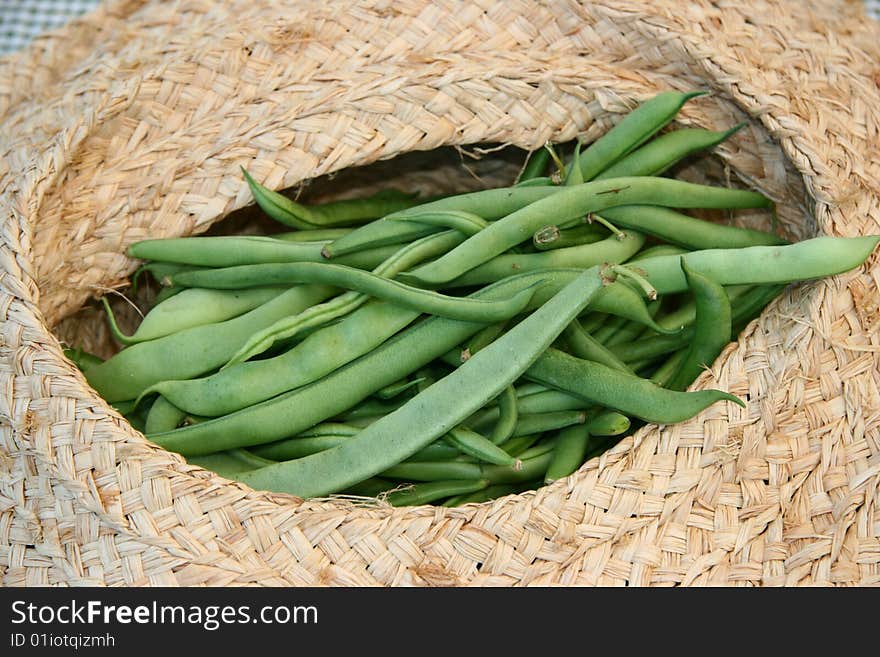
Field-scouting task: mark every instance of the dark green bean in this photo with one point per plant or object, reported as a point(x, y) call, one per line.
point(659, 154)
point(569, 203)
point(194, 351)
point(488, 203)
point(634, 129)
point(354, 211)
point(712, 328)
point(569, 452)
point(623, 392)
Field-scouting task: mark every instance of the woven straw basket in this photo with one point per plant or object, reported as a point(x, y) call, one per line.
point(133, 122)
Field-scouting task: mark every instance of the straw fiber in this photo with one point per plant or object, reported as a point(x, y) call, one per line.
point(133, 122)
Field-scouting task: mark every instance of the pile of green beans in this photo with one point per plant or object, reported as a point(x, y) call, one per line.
point(455, 349)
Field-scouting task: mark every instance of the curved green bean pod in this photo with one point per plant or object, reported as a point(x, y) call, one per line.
point(83, 359)
point(226, 464)
point(569, 452)
point(431, 491)
point(531, 423)
point(192, 307)
point(312, 235)
point(466, 223)
point(292, 448)
point(294, 326)
point(435, 410)
point(193, 351)
point(634, 129)
point(289, 413)
point(234, 250)
point(427, 301)
point(320, 353)
point(163, 416)
point(665, 150)
point(572, 202)
point(689, 232)
point(608, 423)
point(536, 164)
point(817, 257)
point(583, 345)
point(623, 392)
point(508, 414)
point(667, 369)
point(712, 328)
point(583, 256)
point(552, 237)
point(476, 445)
point(290, 213)
point(532, 466)
point(488, 203)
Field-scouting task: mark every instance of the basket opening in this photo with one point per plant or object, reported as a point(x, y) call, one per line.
point(447, 170)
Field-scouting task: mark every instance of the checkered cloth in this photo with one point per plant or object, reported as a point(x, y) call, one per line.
point(22, 20)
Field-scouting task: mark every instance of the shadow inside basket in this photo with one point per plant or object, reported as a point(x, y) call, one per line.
point(503, 448)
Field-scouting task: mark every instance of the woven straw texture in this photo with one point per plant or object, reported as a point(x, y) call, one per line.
point(133, 122)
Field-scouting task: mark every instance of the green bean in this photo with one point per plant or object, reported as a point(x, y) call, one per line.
point(689, 232)
point(629, 331)
point(711, 330)
point(192, 307)
point(230, 462)
point(535, 166)
point(609, 329)
point(233, 250)
point(608, 423)
point(163, 416)
point(428, 492)
point(289, 413)
point(663, 374)
point(552, 237)
point(288, 212)
point(193, 351)
point(532, 423)
point(572, 202)
point(542, 181)
point(583, 345)
point(519, 444)
point(488, 203)
point(568, 454)
point(533, 465)
point(398, 387)
point(661, 153)
point(439, 450)
point(84, 360)
point(434, 411)
point(466, 223)
point(292, 448)
point(329, 429)
point(547, 401)
point(481, 448)
point(584, 256)
point(508, 414)
point(656, 251)
point(313, 235)
point(166, 293)
point(761, 265)
point(296, 325)
point(319, 354)
point(632, 131)
point(398, 293)
point(623, 392)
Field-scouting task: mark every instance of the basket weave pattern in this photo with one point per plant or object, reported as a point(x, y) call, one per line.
point(133, 122)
